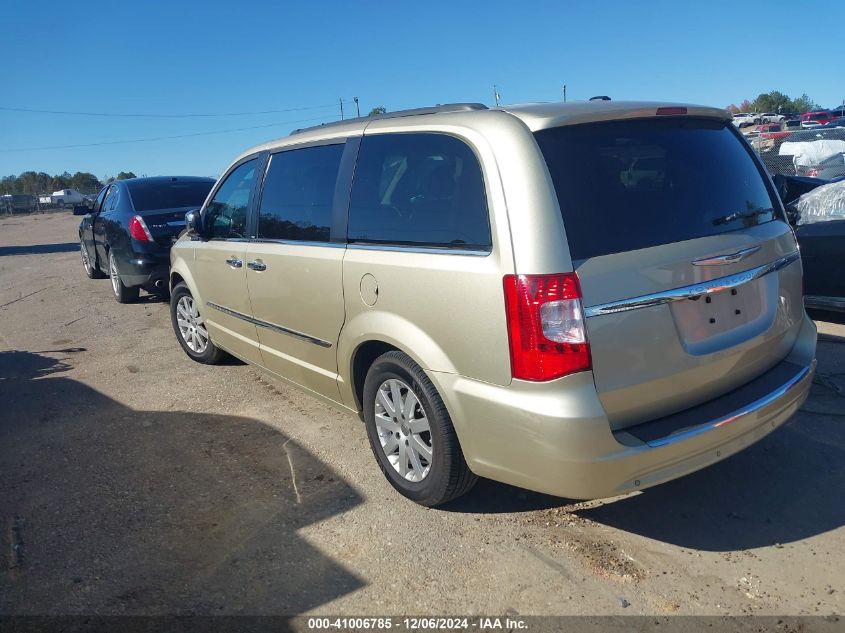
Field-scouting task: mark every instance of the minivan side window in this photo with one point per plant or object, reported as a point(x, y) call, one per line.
point(225, 216)
point(418, 189)
point(296, 203)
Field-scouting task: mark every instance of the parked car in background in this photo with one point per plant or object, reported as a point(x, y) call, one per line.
point(66, 198)
point(131, 227)
point(771, 117)
point(583, 299)
point(829, 168)
point(18, 203)
point(840, 122)
point(792, 123)
point(810, 120)
point(744, 119)
point(817, 209)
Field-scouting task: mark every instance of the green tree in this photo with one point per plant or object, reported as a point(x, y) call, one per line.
point(125, 175)
point(85, 182)
point(773, 101)
point(377, 111)
point(59, 182)
point(804, 104)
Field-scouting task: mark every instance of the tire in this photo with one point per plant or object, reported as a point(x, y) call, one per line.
point(191, 330)
point(122, 293)
point(91, 269)
point(429, 481)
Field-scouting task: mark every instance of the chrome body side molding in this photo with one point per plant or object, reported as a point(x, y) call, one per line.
point(269, 326)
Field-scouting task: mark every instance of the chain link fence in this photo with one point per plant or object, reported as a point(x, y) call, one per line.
point(819, 153)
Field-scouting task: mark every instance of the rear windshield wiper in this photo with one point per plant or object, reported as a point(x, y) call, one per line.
point(741, 215)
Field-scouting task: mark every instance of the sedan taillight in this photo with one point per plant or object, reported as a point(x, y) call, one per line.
point(138, 229)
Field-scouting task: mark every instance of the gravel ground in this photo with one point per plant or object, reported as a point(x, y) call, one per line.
point(134, 481)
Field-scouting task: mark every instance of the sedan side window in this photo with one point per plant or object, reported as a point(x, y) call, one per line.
point(225, 216)
point(98, 203)
point(111, 199)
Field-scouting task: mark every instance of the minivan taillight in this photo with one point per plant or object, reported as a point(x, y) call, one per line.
point(545, 326)
point(138, 229)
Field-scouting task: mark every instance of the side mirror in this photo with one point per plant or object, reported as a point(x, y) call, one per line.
point(193, 222)
point(81, 209)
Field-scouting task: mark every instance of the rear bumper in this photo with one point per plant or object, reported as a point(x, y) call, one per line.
point(819, 302)
point(145, 269)
point(555, 438)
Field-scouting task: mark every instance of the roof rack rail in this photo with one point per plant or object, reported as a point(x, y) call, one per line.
point(445, 107)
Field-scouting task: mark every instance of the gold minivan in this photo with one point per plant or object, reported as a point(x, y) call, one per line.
point(582, 299)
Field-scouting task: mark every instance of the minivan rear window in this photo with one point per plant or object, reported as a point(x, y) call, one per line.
point(628, 185)
point(152, 195)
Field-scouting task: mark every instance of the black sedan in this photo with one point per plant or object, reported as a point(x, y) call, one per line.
point(128, 233)
point(819, 224)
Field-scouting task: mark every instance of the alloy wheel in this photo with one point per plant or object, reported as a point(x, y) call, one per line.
point(403, 430)
point(115, 280)
point(191, 325)
point(86, 260)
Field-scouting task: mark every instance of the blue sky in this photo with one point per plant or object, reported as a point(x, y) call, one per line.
point(214, 57)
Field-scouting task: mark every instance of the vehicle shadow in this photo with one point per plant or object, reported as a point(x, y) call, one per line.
point(39, 249)
point(106, 510)
point(783, 489)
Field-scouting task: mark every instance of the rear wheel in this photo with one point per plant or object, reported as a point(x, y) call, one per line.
point(122, 293)
point(190, 329)
point(91, 269)
point(411, 433)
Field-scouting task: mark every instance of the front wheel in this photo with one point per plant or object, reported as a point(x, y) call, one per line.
point(411, 433)
point(190, 329)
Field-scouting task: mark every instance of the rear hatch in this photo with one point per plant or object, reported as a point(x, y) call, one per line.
point(163, 202)
point(689, 276)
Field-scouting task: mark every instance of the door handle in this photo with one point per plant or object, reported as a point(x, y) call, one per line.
point(234, 262)
point(257, 265)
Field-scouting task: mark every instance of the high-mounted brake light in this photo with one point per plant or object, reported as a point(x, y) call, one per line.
point(545, 326)
point(671, 110)
point(138, 229)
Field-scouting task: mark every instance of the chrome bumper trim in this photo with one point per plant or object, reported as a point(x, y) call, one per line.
point(687, 292)
point(748, 409)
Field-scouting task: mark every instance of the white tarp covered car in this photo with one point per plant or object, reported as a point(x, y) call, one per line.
point(811, 152)
point(823, 204)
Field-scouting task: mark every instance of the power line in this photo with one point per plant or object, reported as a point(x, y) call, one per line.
point(163, 116)
point(159, 138)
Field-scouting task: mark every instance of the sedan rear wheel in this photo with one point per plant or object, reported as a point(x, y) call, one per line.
point(122, 293)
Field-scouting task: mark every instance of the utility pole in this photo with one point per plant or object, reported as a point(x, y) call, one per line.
point(341, 108)
point(357, 109)
point(564, 93)
point(495, 95)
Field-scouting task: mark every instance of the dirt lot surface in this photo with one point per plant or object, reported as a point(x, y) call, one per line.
point(134, 481)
